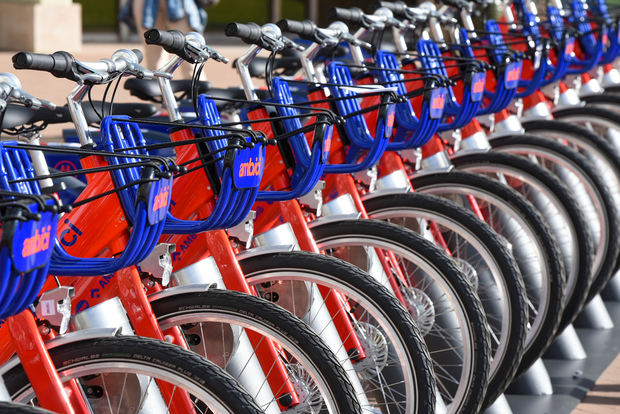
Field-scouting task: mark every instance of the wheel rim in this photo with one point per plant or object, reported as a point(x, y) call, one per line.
point(591, 152)
point(600, 126)
point(212, 323)
point(550, 208)
point(525, 248)
point(107, 376)
point(402, 400)
point(452, 384)
point(584, 190)
point(491, 289)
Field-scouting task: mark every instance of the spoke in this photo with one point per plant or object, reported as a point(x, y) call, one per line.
point(107, 394)
point(171, 398)
point(143, 397)
point(120, 400)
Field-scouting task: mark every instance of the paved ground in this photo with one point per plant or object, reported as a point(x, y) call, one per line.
point(46, 86)
point(604, 398)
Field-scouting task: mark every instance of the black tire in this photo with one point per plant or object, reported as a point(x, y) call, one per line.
point(553, 191)
point(467, 182)
point(396, 239)
point(606, 100)
point(523, 143)
point(615, 89)
point(12, 408)
point(599, 114)
point(328, 269)
point(468, 223)
point(265, 317)
point(597, 150)
point(149, 354)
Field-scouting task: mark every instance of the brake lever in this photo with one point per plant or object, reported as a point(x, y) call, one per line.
point(290, 44)
point(271, 43)
point(214, 54)
point(29, 100)
point(349, 38)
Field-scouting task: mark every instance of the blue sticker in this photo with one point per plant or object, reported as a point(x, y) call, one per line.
point(33, 242)
point(569, 48)
point(512, 75)
point(327, 142)
point(249, 166)
point(477, 86)
point(389, 120)
point(159, 200)
point(438, 101)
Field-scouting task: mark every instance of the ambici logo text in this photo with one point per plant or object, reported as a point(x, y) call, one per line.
point(248, 167)
point(512, 75)
point(438, 101)
point(570, 46)
point(37, 243)
point(477, 86)
point(32, 243)
point(159, 200)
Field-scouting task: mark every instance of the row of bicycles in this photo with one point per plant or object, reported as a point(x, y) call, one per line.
point(414, 208)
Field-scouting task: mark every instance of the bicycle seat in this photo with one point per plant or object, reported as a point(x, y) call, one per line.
point(131, 109)
point(234, 93)
point(18, 115)
point(148, 90)
point(287, 65)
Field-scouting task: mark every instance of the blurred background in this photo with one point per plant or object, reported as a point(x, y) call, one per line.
point(101, 15)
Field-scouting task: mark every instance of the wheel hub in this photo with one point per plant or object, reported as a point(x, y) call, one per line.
point(421, 308)
point(376, 348)
point(310, 400)
point(469, 272)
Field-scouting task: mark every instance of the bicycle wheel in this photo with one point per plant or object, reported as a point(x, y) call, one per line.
point(441, 299)
point(608, 101)
point(396, 374)
point(601, 121)
point(533, 247)
point(594, 148)
point(123, 374)
point(211, 323)
point(12, 408)
point(560, 210)
point(590, 189)
point(474, 243)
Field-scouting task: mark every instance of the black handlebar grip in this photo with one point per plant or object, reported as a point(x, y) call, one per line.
point(138, 54)
point(353, 15)
point(59, 64)
point(305, 29)
point(249, 33)
point(398, 8)
point(173, 41)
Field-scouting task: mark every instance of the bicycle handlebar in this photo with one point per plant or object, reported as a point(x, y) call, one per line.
point(305, 29)
point(250, 33)
point(173, 41)
point(59, 64)
point(353, 15)
point(399, 8)
point(64, 65)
